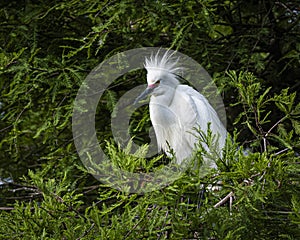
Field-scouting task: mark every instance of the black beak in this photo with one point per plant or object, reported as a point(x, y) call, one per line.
point(143, 95)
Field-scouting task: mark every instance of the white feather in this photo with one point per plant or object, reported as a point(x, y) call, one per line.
point(176, 110)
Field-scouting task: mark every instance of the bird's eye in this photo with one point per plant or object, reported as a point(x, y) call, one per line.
point(157, 82)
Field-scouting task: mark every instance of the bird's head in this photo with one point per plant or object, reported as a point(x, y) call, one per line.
point(162, 73)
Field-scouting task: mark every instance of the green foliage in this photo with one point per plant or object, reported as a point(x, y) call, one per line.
point(47, 48)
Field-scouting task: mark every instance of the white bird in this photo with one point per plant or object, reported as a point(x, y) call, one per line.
point(177, 110)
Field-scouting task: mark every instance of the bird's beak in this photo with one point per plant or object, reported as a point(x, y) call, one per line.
point(145, 93)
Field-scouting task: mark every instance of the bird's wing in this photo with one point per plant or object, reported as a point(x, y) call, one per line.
point(195, 111)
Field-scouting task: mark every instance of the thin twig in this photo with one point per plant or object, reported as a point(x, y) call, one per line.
point(3, 129)
point(225, 199)
point(86, 232)
point(12, 208)
point(281, 151)
point(279, 121)
point(164, 224)
point(131, 230)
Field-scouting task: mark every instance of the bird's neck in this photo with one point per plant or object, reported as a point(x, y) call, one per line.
point(163, 95)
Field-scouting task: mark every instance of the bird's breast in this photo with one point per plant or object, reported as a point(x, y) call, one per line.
point(162, 114)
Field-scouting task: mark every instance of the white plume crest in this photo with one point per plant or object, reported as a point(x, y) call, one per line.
point(166, 62)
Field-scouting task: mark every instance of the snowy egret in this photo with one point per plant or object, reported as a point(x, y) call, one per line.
point(177, 110)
